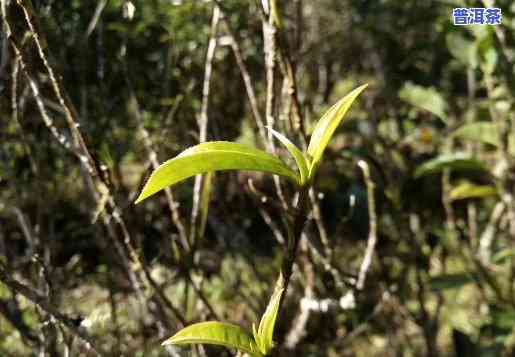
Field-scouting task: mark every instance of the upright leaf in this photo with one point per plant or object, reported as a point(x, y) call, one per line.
point(463, 50)
point(216, 333)
point(207, 186)
point(425, 98)
point(214, 156)
point(326, 127)
point(266, 328)
point(301, 161)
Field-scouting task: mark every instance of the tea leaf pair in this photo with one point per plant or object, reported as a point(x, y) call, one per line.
point(224, 155)
point(259, 344)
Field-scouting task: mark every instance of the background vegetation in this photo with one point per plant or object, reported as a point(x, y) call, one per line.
point(94, 94)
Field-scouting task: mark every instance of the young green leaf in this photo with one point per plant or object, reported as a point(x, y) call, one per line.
point(256, 335)
point(326, 127)
point(266, 328)
point(216, 333)
point(214, 156)
point(466, 190)
point(301, 161)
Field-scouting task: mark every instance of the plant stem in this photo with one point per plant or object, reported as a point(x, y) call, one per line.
point(295, 225)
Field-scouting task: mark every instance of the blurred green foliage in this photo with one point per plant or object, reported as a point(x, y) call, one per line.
point(442, 279)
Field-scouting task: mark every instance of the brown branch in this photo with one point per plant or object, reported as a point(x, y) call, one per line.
point(203, 120)
point(372, 234)
point(49, 122)
point(173, 205)
point(249, 87)
point(96, 17)
point(297, 220)
point(298, 330)
point(70, 114)
point(93, 177)
point(41, 302)
point(317, 217)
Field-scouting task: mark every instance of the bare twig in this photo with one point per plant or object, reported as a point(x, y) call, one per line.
point(486, 240)
point(173, 205)
point(298, 330)
point(96, 16)
point(41, 302)
point(317, 216)
point(295, 226)
point(4, 54)
point(249, 87)
point(70, 116)
point(269, 36)
point(272, 225)
point(372, 234)
point(93, 176)
point(49, 122)
point(202, 296)
point(203, 120)
point(260, 199)
point(363, 326)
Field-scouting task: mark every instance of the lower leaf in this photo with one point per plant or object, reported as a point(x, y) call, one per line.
point(216, 333)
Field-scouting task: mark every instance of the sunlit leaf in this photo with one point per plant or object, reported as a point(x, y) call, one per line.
point(488, 54)
point(267, 325)
point(457, 162)
point(425, 98)
point(326, 127)
point(214, 156)
point(465, 51)
point(216, 333)
point(256, 335)
point(466, 190)
point(484, 132)
point(301, 161)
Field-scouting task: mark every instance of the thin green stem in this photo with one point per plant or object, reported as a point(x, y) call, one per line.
point(295, 225)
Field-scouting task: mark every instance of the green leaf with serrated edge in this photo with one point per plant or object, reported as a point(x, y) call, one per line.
point(216, 333)
point(214, 156)
point(326, 126)
point(466, 190)
point(457, 162)
point(301, 161)
point(267, 324)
